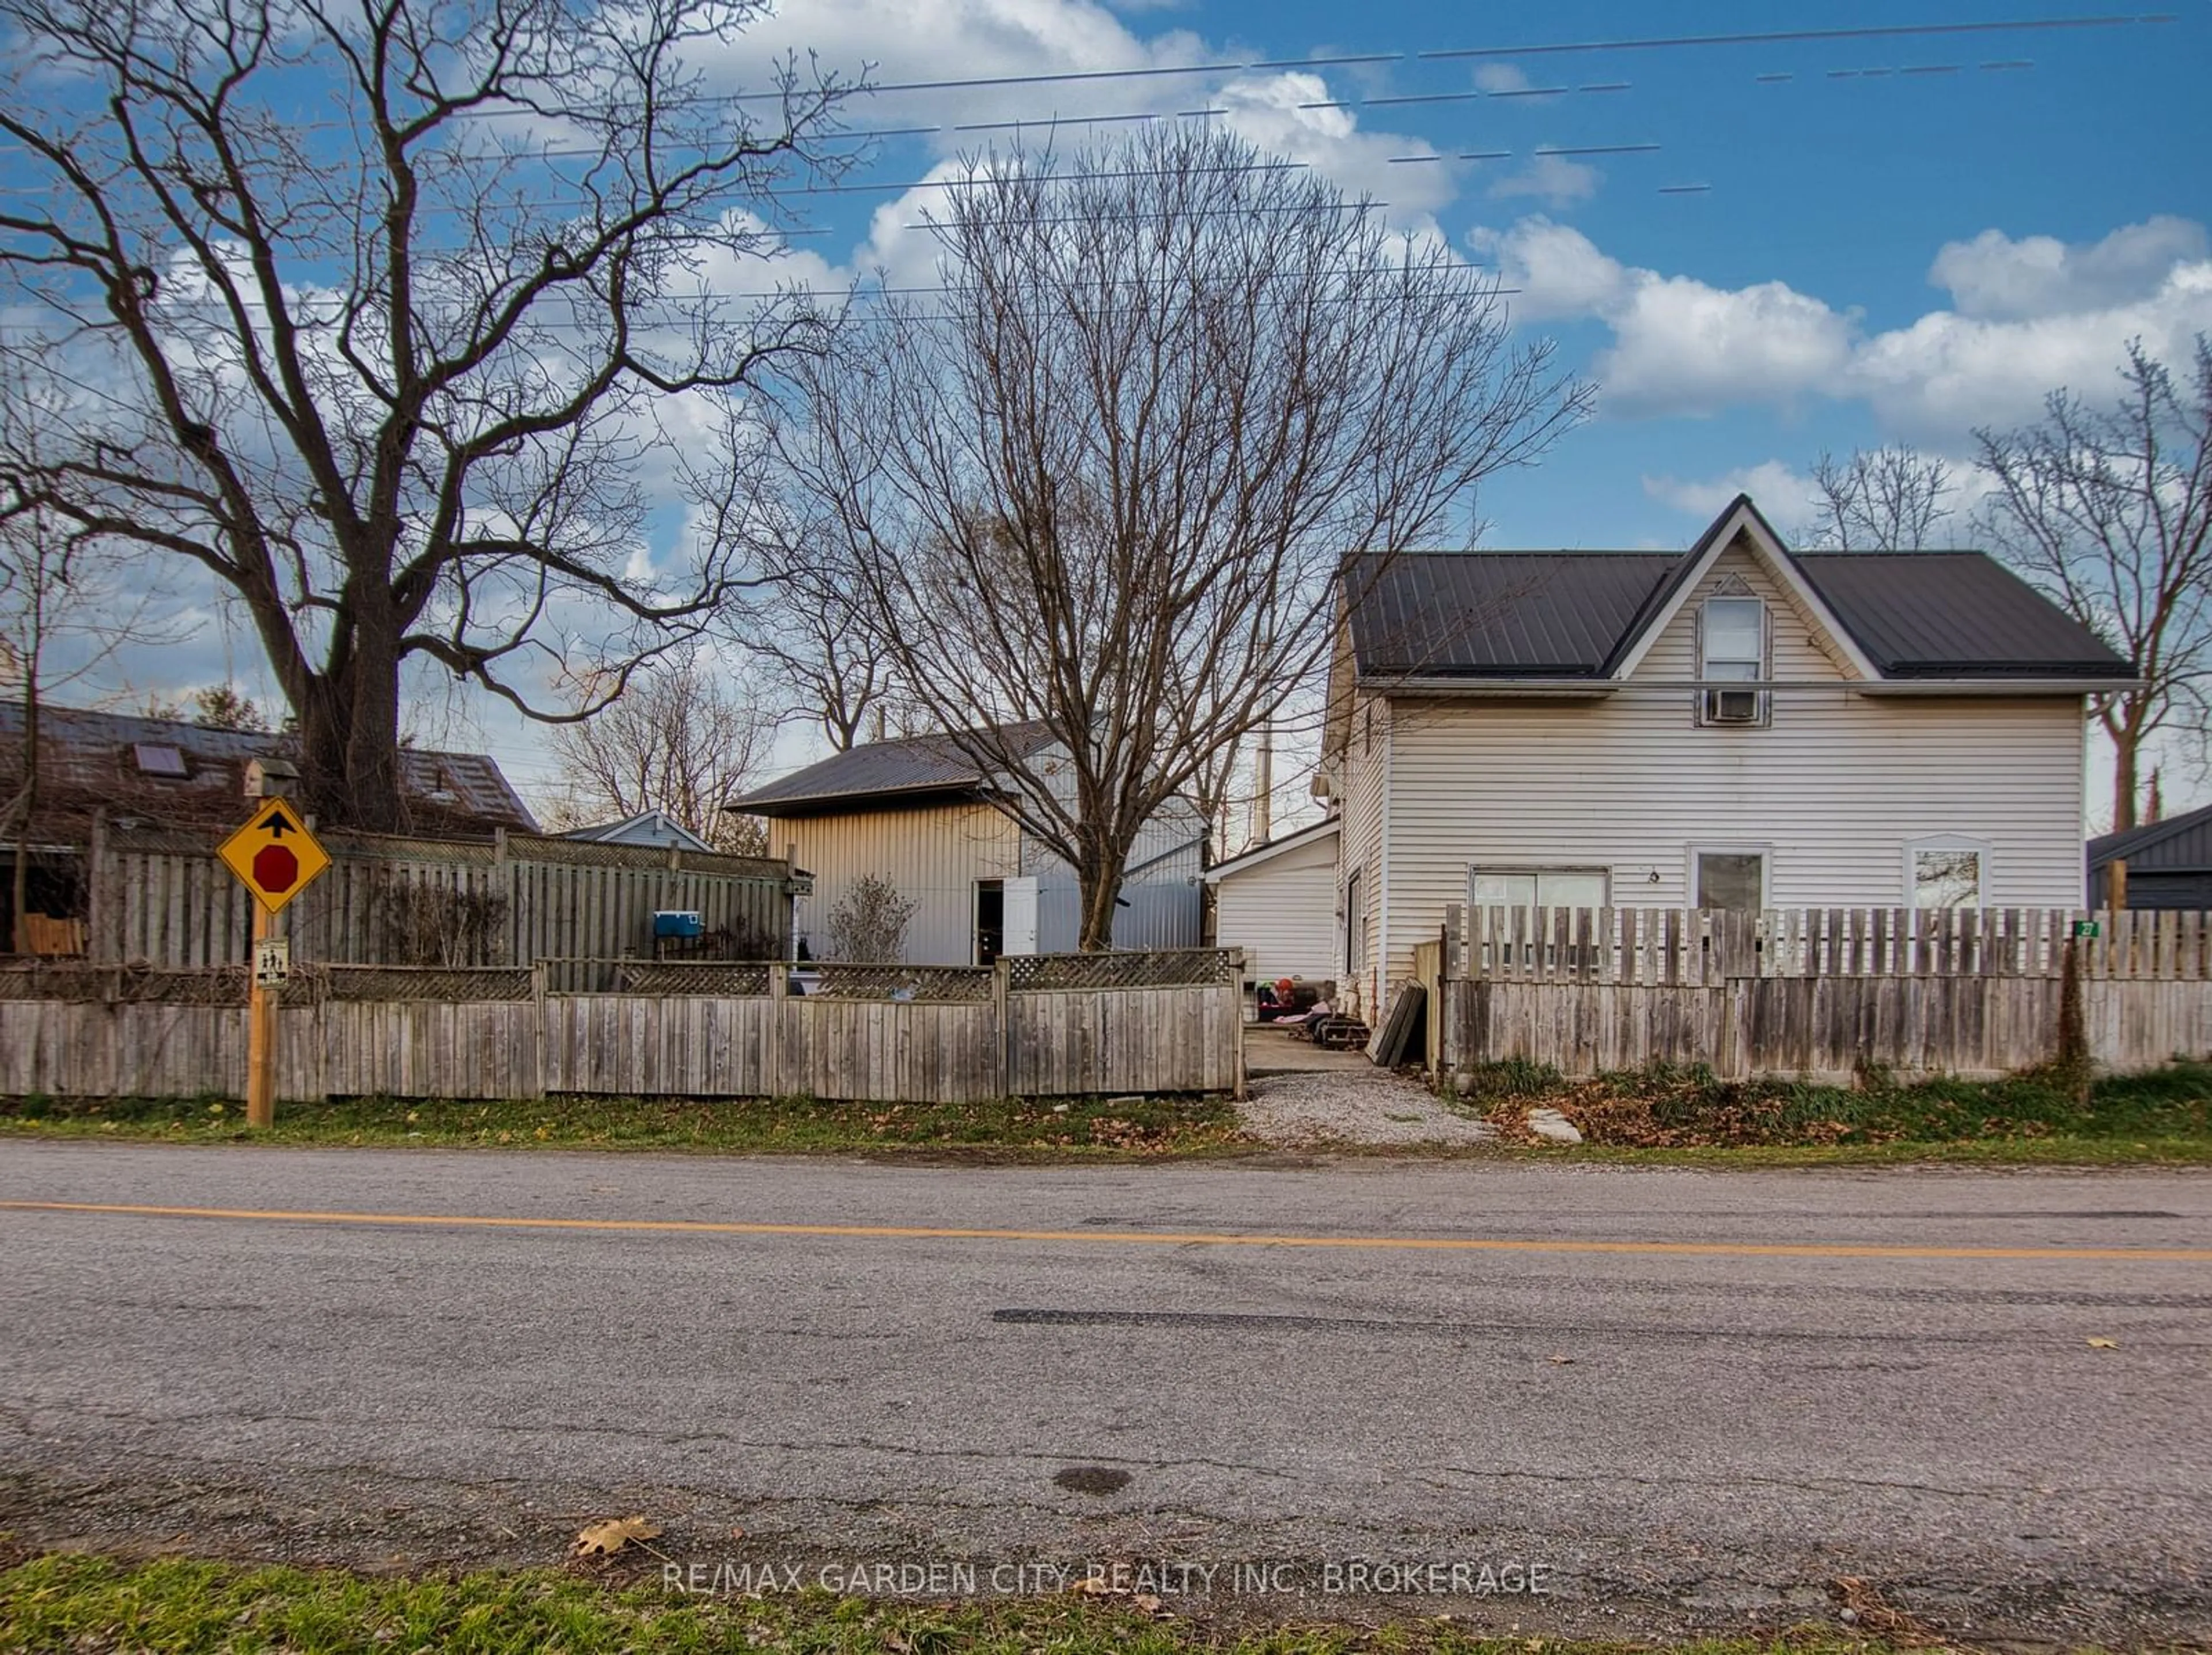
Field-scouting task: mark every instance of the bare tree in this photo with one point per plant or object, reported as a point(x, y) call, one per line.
point(66, 610)
point(2108, 509)
point(868, 925)
point(680, 739)
point(1105, 482)
point(214, 707)
point(1879, 500)
point(378, 313)
point(807, 619)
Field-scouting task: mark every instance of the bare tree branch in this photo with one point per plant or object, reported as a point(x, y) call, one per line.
point(397, 375)
point(682, 739)
point(1104, 483)
point(1879, 500)
point(2108, 509)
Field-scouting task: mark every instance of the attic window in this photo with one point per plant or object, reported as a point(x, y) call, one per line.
point(154, 760)
point(1731, 647)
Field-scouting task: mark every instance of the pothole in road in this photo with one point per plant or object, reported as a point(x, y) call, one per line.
point(1091, 1479)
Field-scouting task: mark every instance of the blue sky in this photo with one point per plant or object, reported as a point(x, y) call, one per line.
point(1896, 242)
point(1877, 255)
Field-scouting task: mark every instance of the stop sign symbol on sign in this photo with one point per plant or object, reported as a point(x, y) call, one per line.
point(275, 868)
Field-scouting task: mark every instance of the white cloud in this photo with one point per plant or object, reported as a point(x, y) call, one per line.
point(921, 40)
point(1496, 77)
point(1267, 110)
point(1683, 346)
point(1559, 270)
point(1553, 179)
point(1680, 344)
point(1783, 493)
point(1948, 373)
point(1994, 276)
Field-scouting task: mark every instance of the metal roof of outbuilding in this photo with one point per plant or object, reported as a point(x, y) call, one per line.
point(911, 765)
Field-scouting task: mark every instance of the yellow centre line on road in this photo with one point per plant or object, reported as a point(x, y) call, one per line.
point(1123, 1237)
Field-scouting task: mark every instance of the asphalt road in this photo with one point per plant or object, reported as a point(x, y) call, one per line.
point(1688, 1398)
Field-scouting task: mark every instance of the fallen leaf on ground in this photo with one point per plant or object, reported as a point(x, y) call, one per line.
point(1560, 1361)
point(610, 1535)
point(2104, 1344)
point(1864, 1608)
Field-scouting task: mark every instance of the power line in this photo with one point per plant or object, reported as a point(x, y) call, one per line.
point(1532, 49)
point(1152, 72)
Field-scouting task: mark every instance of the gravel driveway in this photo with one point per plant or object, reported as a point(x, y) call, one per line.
point(1354, 1106)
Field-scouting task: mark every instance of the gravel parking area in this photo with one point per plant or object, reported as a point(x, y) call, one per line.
point(1366, 1105)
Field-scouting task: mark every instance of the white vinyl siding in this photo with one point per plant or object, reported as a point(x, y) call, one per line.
point(1282, 913)
point(1832, 788)
point(933, 855)
point(1366, 773)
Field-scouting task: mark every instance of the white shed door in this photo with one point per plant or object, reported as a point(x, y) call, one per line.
point(1021, 916)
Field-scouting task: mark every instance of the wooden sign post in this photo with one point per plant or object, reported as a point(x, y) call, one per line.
point(274, 857)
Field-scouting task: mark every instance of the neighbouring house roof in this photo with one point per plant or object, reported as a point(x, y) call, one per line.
point(1327, 827)
point(2179, 844)
point(647, 827)
point(176, 774)
point(902, 770)
point(1569, 614)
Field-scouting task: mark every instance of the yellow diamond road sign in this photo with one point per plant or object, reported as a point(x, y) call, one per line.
point(273, 855)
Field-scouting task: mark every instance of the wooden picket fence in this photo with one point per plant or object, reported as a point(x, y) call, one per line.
point(1823, 992)
point(158, 897)
point(889, 1034)
point(1705, 946)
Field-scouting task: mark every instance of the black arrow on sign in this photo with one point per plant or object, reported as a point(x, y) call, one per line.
point(277, 827)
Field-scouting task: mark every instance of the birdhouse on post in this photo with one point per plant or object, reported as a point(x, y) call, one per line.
point(271, 778)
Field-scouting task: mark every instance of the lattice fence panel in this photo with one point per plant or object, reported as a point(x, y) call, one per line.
point(221, 985)
point(727, 979)
point(939, 984)
point(1169, 968)
point(438, 983)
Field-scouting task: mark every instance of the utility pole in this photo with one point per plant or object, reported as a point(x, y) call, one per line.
point(1263, 786)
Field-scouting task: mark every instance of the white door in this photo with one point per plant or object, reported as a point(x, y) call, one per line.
point(1021, 916)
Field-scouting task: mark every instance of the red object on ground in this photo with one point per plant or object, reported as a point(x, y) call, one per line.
point(275, 868)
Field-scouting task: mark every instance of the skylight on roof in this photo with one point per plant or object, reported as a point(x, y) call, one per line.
point(154, 760)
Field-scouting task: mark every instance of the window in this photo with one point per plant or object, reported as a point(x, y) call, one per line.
point(154, 759)
point(1945, 873)
point(1732, 647)
point(1355, 929)
point(1538, 887)
point(1733, 880)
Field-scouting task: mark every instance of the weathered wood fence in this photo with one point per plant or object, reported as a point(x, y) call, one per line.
point(1052, 1026)
point(1823, 992)
point(159, 897)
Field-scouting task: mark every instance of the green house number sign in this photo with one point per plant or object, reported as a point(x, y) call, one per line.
point(2085, 927)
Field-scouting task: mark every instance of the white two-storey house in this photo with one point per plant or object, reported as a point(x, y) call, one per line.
point(1734, 727)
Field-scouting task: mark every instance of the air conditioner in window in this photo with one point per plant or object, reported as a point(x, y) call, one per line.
point(1731, 706)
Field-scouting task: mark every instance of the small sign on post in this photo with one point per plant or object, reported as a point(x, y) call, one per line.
point(274, 857)
point(2085, 927)
point(272, 962)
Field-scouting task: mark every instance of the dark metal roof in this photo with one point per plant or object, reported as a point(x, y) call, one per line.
point(913, 765)
point(1954, 614)
point(2179, 844)
point(93, 753)
point(1577, 614)
point(1498, 613)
